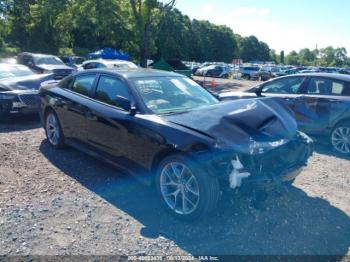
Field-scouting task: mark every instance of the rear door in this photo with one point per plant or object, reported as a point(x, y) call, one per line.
point(322, 104)
point(73, 105)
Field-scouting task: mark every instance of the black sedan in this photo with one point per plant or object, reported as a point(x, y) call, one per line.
point(320, 101)
point(19, 90)
point(166, 129)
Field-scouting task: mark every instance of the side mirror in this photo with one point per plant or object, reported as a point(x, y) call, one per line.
point(125, 104)
point(258, 90)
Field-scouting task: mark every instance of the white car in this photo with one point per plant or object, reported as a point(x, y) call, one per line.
point(107, 63)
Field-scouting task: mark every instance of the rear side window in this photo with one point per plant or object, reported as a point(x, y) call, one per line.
point(83, 84)
point(109, 88)
point(323, 86)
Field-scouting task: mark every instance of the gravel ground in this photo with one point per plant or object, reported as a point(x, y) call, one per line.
point(62, 202)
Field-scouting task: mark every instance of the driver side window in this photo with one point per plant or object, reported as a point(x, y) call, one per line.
point(108, 88)
point(290, 85)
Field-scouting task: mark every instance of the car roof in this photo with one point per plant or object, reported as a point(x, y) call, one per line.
point(35, 54)
point(134, 73)
point(108, 61)
point(340, 77)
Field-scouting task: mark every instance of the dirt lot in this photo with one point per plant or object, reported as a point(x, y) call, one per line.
point(64, 202)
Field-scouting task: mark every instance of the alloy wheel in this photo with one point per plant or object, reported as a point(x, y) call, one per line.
point(52, 129)
point(341, 139)
point(179, 188)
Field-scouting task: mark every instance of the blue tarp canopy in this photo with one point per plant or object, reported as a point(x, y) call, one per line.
point(109, 53)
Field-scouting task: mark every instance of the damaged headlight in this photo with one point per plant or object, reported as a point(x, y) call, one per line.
point(305, 137)
point(262, 147)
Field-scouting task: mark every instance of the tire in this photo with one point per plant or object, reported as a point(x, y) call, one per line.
point(178, 176)
point(53, 130)
point(340, 138)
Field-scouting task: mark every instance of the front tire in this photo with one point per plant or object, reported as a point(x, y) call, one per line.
point(53, 130)
point(340, 138)
point(185, 189)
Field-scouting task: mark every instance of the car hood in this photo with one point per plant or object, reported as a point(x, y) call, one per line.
point(24, 82)
point(54, 67)
point(238, 124)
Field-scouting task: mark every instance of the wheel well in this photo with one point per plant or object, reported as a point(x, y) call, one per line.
point(343, 121)
point(197, 147)
point(47, 109)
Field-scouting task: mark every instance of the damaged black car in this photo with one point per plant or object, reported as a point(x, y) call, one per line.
point(19, 90)
point(170, 132)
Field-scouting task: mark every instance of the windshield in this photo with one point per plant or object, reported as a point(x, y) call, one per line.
point(172, 94)
point(14, 72)
point(47, 60)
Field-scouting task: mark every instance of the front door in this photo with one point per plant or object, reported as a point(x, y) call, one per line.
point(107, 122)
point(287, 88)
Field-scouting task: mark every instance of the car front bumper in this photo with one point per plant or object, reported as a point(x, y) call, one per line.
point(21, 103)
point(276, 166)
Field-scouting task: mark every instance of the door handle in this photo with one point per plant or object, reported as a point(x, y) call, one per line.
point(90, 116)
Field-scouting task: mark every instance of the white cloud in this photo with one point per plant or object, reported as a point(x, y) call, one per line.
point(250, 11)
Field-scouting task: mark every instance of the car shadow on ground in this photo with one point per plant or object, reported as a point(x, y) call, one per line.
point(19, 123)
point(294, 224)
point(326, 149)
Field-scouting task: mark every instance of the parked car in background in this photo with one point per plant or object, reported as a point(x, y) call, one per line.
point(214, 71)
point(107, 63)
point(19, 90)
point(320, 101)
point(163, 127)
point(72, 61)
point(291, 71)
point(263, 74)
point(249, 72)
point(277, 72)
point(44, 64)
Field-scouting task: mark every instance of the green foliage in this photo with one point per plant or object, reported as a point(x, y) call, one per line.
point(282, 57)
point(328, 56)
point(250, 48)
point(146, 29)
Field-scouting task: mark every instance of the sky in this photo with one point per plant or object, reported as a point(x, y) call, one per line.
point(283, 24)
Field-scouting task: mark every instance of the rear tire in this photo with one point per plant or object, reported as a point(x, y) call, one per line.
point(340, 138)
point(53, 130)
point(185, 189)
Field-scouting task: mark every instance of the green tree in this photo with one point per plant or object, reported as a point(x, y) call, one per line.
point(282, 57)
point(148, 17)
point(292, 58)
point(253, 49)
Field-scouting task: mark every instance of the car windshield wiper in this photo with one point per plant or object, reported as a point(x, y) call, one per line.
point(170, 112)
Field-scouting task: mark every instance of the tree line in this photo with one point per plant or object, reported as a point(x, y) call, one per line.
point(146, 29)
point(329, 56)
point(82, 26)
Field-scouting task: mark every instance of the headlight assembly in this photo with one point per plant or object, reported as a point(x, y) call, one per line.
point(261, 147)
point(7, 96)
